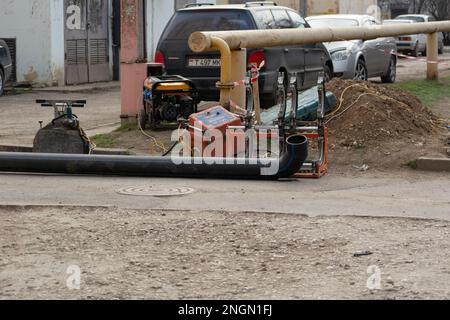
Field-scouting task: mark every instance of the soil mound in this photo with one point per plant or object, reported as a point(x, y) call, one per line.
point(371, 115)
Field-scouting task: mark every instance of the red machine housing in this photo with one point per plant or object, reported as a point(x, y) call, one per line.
point(216, 119)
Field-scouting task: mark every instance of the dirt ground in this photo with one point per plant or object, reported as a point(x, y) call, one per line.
point(203, 255)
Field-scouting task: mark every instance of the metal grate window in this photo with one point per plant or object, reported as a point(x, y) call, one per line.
point(76, 52)
point(12, 46)
point(98, 51)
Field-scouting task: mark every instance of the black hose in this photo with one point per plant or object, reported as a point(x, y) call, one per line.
point(266, 169)
point(171, 149)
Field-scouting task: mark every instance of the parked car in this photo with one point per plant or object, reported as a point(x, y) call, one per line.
point(203, 69)
point(359, 59)
point(413, 44)
point(421, 18)
point(5, 65)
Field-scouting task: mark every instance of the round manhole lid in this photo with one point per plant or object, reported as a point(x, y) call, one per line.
point(149, 191)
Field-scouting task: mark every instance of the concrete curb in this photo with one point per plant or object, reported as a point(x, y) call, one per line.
point(91, 87)
point(98, 151)
point(433, 164)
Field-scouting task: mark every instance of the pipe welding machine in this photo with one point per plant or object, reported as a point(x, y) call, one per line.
point(235, 127)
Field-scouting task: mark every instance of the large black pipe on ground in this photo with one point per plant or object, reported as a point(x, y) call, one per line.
point(289, 163)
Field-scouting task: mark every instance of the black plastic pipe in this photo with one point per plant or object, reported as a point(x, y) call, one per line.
point(289, 163)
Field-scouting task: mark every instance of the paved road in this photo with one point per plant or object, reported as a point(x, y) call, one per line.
point(20, 115)
point(412, 69)
point(414, 195)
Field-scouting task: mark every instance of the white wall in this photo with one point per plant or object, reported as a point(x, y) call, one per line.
point(158, 15)
point(39, 45)
point(358, 7)
point(57, 42)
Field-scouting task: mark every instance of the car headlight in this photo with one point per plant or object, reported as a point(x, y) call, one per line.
point(341, 55)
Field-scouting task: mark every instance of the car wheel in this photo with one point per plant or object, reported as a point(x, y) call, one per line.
point(2, 81)
point(281, 94)
point(391, 75)
point(416, 52)
point(270, 100)
point(424, 52)
point(328, 74)
point(361, 71)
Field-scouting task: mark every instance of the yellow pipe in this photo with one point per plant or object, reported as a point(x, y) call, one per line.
point(432, 56)
point(226, 84)
point(226, 41)
point(202, 41)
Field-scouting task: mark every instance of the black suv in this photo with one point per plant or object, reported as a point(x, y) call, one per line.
point(204, 69)
point(5, 65)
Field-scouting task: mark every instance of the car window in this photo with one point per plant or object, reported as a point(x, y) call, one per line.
point(297, 21)
point(431, 19)
point(333, 22)
point(368, 22)
point(282, 19)
point(184, 23)
point(264, 19)
point(413, 18)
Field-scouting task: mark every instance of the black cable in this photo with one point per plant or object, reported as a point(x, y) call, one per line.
point(171, 149)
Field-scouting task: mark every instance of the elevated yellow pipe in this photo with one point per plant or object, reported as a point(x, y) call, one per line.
point(202, 41)
point(225, 41)
point(226, 84)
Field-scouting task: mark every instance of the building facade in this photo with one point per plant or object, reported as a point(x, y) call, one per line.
point(59, 42)
point(65, 42)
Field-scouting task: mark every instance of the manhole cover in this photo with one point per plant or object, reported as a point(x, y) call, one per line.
point(155, 191)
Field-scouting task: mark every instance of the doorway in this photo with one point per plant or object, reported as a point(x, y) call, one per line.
point(86, 34)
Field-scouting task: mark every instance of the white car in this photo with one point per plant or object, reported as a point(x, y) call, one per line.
point(413, 44)
point(359, 59)
point(421, 18)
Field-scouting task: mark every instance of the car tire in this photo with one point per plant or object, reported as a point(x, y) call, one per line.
point(270, 100)
point(416, 52)
point(391, 75)
point(441, 50)
point(361, 71)
point(424, 52)
point(328, 74)
point(2, 82)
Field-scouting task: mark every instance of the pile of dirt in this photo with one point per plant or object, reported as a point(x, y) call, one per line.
point(378, 126)
point(371, 115)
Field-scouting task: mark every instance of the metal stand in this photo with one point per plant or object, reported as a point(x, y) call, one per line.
point(317, 168)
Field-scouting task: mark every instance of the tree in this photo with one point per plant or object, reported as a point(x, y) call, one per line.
point(440, 10)
point(419, 6)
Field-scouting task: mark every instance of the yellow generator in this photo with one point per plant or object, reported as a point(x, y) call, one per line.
point(167, 99)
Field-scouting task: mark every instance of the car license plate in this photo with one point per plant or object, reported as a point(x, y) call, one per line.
point(203, 63)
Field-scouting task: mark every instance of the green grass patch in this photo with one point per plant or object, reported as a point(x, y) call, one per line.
point(412, 164)
point(429, 92)
point(127, 128)
point(17, 91)
point(104, 141)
